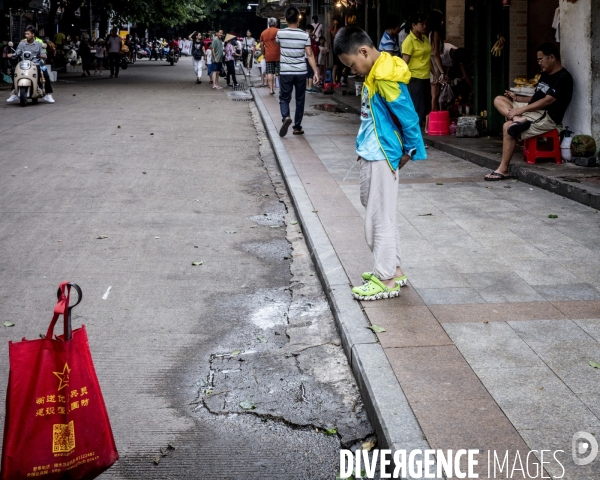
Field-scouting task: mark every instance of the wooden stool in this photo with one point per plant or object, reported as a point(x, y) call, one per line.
point(531, 151)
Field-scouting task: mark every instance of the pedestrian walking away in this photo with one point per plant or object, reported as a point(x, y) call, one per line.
point(198, 54)
point(383, 148)
point(114, 52)
point(272, 52)
point(37, 51)
point(217, 58)
point(295, 45)
point(248, 48)
point(416, 52)
point(315, 49)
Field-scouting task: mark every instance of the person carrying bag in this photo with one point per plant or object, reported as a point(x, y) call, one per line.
point(56, 424)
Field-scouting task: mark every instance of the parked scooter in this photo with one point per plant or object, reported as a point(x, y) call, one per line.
point(124, 57)
point(28, 80)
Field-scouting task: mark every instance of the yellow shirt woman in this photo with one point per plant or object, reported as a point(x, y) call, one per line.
point(420, 55)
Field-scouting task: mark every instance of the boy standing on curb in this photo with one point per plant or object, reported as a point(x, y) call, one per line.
point(389, 136)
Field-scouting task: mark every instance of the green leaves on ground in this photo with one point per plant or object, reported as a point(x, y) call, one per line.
point(8, 324)
point(439, 183)
point(363, 474)
point(377, 328)
point(330, 431)
point(295, 222)
point(552, 216)
point(101, 237)
point(235, 352)
point(247, 405)
point(594, 364)
point(197, 264)
point(262, 339)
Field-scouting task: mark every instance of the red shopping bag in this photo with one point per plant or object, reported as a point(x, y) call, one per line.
point(56, 425)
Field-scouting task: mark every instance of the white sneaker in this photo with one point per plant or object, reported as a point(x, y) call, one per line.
point(48, 98)
point(12, 99)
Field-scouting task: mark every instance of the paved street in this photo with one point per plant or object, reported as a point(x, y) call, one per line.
point(491, 340)
point(173, 173)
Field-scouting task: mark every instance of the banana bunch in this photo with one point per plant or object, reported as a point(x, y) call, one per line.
point(498, 46)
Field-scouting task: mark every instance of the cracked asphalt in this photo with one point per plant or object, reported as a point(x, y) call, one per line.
point(231, 369)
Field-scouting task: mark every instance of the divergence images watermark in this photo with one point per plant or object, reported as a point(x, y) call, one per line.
point(464, 463)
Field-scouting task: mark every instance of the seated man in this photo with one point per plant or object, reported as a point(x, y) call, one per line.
point(37, 51)
point(538, 115)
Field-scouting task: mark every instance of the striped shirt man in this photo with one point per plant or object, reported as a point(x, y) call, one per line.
point(389, 44)
point(292, 42)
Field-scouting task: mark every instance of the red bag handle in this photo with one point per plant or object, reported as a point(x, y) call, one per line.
point(62, 308)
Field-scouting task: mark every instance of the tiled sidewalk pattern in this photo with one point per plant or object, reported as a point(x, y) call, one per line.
point(491, 340)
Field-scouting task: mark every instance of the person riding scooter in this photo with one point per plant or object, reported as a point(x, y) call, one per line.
point(37, 51)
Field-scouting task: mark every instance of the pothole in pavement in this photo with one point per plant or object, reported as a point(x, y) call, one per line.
point(295, 372)
point(329, 107)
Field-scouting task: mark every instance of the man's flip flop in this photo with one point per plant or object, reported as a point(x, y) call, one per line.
point(516, 129)
point(497, 177)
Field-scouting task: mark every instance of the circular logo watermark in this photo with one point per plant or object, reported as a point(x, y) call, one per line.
point(585, 448)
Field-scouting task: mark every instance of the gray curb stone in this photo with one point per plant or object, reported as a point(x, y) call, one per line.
point(387, 406)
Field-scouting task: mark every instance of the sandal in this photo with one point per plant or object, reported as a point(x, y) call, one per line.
point(402, 281)
point(375, 290)
point(517, 128)
point(497, 176)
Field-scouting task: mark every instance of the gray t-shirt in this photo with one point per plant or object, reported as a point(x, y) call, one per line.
point(35, 48)
point(248, 43)
point(292, 42)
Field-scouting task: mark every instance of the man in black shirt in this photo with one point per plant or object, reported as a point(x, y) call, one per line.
point(531, 117)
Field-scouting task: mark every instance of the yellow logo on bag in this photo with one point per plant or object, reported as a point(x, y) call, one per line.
point(63, 437)
point(63, 377)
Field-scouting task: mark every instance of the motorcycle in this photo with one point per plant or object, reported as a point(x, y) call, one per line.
point(142, 54)
point(172, 56)
point(156, 51)
point(28, 80)
point(124, 57)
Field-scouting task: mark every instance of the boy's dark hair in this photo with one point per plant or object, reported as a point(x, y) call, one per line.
point(315, 18)
point(30, 28)
point(349, 39)
point(417, 17)
point(310, 27)
point(292, 15)
point(322, 37)
point(549, 48)
point(391, 21)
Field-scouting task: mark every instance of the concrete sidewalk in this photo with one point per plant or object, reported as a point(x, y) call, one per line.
point(489, 345)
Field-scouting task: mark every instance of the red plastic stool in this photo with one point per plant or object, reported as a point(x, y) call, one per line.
point(531, 151)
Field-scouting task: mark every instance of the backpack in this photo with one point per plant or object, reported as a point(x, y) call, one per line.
point(197, 52)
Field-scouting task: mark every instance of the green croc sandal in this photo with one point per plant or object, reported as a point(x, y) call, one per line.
point(400, 280)
point(375, 290)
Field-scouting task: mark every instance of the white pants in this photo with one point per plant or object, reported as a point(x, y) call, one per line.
point(379, 195)
point(198, 66)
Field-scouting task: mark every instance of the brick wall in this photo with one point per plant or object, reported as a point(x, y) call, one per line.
point(518, 39)
point(455, 22)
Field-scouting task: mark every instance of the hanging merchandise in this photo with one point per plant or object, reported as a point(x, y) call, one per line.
point(506, 3)
point(498, 46)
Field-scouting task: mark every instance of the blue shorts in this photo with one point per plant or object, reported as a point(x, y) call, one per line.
point(211, 68)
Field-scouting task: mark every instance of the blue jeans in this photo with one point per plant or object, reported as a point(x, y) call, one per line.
point(286, 84)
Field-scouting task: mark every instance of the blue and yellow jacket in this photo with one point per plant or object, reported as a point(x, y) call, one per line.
point(395, 120)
